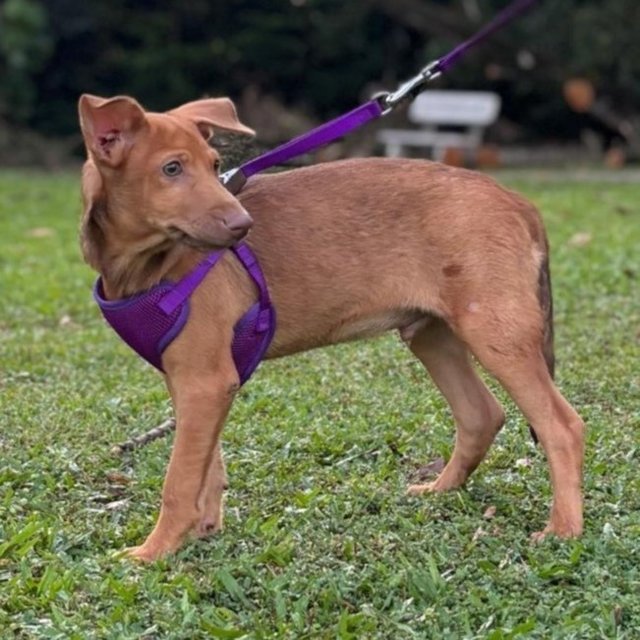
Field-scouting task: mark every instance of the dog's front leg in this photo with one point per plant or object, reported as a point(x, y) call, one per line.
point(201, 405)
point(212, 499)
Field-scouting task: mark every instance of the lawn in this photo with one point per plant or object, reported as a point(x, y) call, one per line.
point(320, 539)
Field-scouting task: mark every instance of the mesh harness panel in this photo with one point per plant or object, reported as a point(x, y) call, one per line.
point(149, 321)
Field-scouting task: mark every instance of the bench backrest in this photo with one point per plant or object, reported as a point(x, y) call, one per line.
point(468, 108)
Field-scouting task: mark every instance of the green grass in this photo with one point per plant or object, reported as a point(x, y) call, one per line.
point(320, 540)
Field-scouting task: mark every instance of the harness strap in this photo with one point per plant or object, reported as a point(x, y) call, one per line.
point(185, 287)
point(252, 266)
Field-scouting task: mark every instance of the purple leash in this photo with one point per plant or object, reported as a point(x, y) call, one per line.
point(504, 17)
point(235, 179)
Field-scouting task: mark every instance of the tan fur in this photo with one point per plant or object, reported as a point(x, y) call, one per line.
point(349, 249)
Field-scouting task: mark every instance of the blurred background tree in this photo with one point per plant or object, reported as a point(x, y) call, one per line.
point(26, 44)
point(313, 57)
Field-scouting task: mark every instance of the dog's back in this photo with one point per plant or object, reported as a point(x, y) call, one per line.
point(389, 240)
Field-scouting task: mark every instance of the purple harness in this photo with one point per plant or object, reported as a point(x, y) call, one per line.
point(149, 321)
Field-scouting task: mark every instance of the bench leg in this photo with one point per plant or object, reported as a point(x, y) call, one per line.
point(393, 150)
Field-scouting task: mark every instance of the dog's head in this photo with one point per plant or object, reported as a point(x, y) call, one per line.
point(151, 179)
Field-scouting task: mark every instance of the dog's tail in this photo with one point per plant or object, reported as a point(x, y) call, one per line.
point(546, 305)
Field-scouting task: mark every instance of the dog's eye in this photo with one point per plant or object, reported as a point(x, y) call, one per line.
point(172, 169)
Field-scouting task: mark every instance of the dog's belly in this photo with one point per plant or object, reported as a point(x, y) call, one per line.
point(350, 329)
point(373, 325)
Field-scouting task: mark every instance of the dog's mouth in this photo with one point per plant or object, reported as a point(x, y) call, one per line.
point(206, 244)
point(211, 231)
point(182, 237)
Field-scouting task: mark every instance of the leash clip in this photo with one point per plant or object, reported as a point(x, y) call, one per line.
point(233, 180)
point(409, 89)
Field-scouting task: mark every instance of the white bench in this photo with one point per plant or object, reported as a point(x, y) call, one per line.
point(437, 112)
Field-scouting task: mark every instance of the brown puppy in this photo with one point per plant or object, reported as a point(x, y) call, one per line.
point(349, 249)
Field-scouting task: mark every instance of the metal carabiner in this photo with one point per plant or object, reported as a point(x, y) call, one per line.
point(409, 89)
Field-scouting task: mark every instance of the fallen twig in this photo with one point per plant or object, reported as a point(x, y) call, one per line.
point(140, 441)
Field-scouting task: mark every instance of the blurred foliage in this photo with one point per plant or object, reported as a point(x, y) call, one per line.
point(321, 56)
point(26, 44)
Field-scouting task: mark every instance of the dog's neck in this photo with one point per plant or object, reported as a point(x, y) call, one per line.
point(128, 267)
point(124, 275)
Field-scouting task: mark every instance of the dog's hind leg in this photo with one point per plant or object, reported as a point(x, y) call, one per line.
point(510, 346)
point(477, 414)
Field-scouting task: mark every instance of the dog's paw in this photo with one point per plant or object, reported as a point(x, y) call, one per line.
point(565, 533)
point(420, 489)
point(442, 483)
point(141, 553)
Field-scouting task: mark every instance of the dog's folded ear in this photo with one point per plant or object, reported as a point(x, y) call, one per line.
point(109, 126)
point(94, 198)
point(211, 114)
